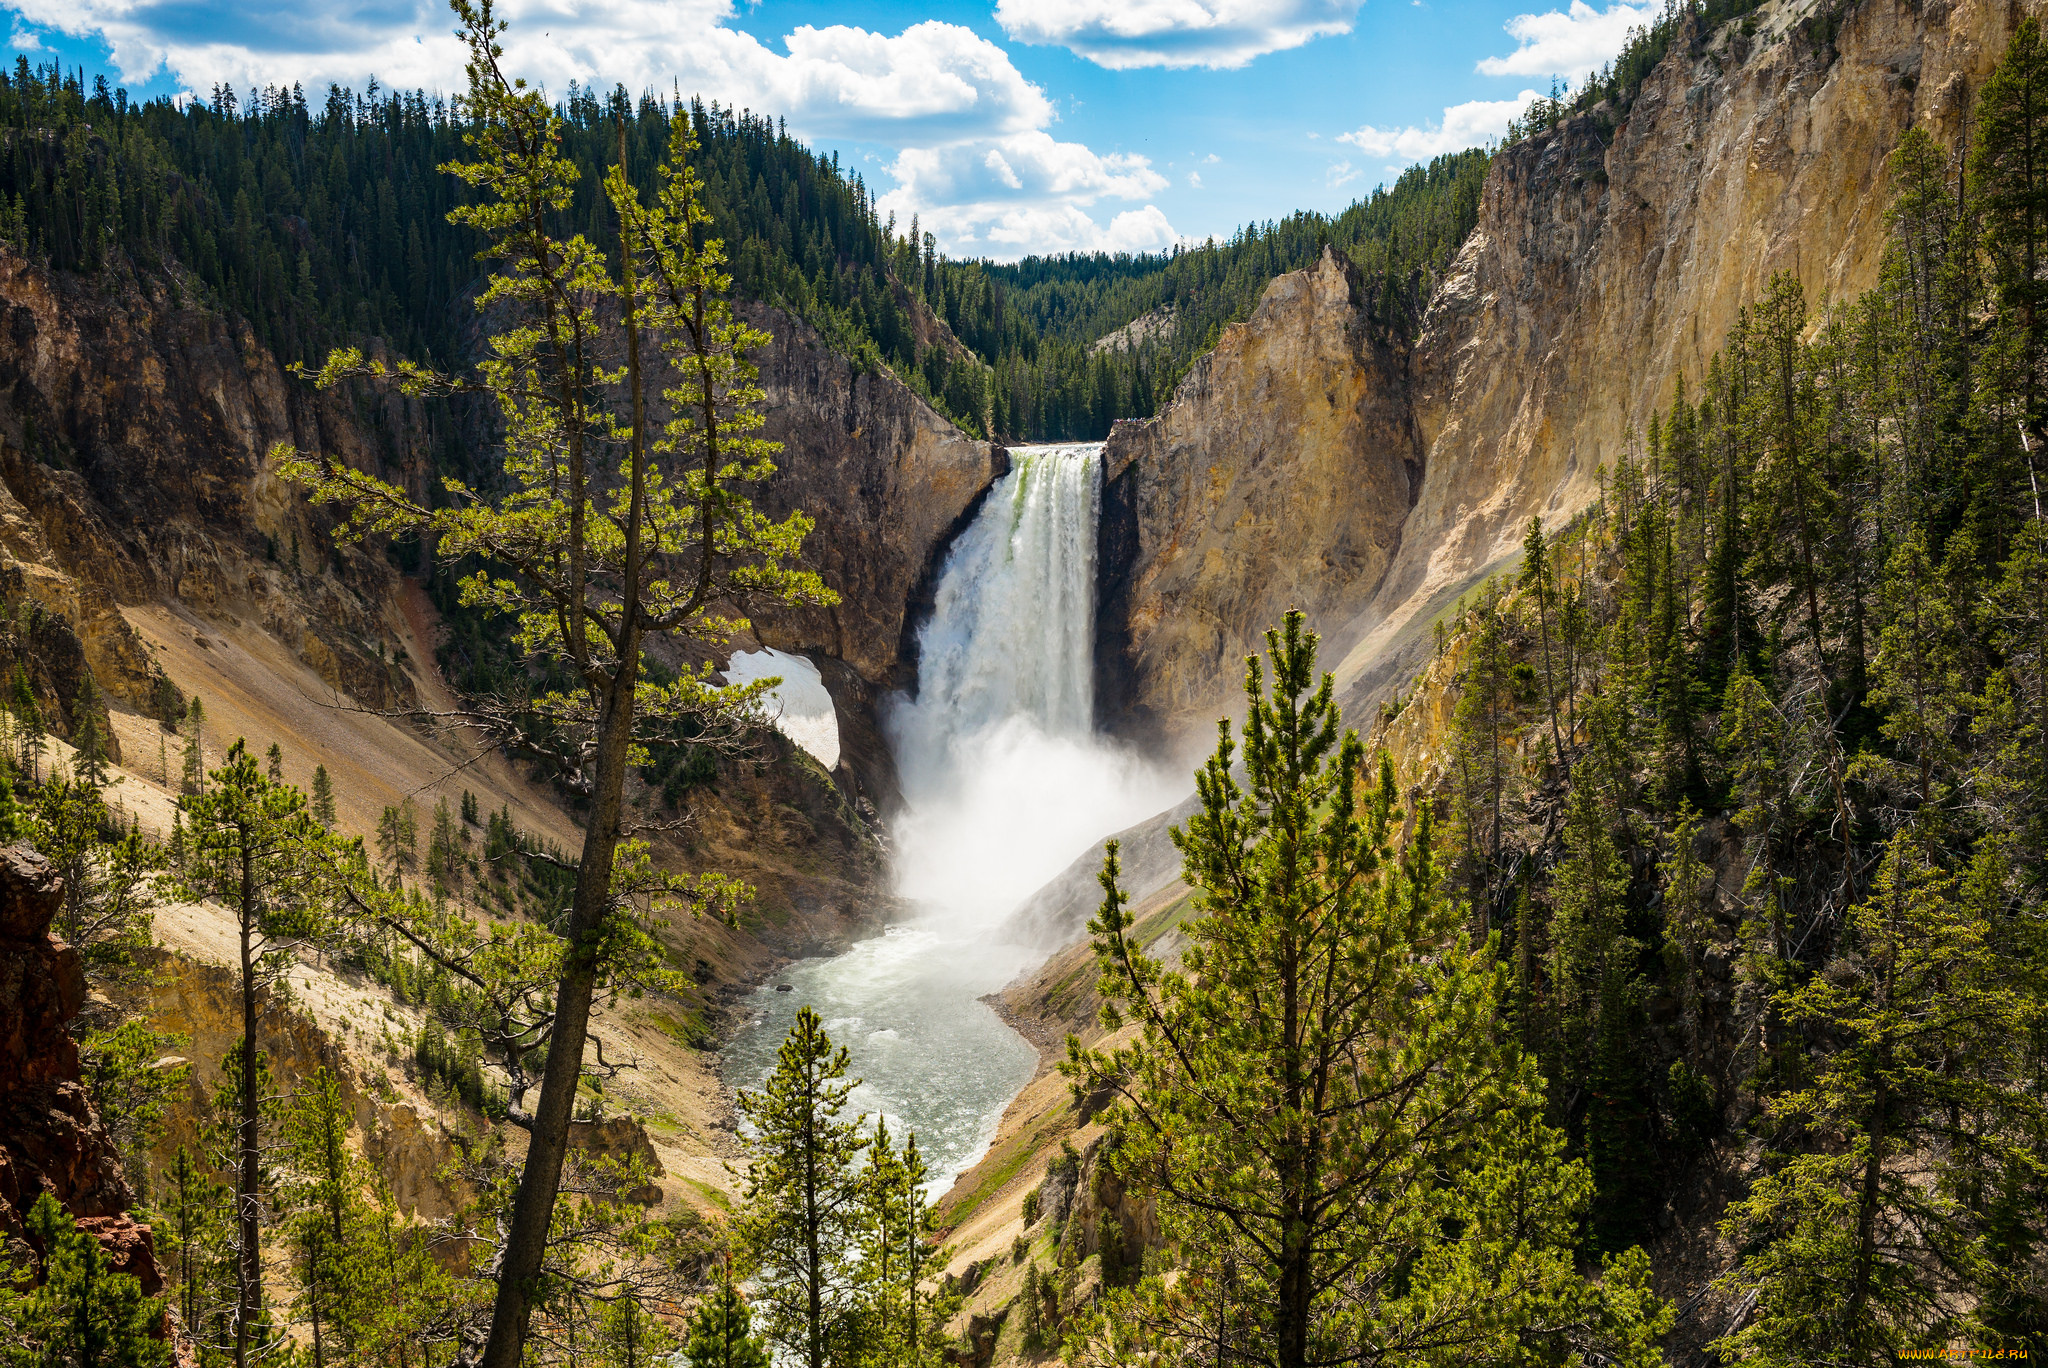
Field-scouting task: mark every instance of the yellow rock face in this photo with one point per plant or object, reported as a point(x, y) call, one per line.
point(1278, 477)
point(1611, 256)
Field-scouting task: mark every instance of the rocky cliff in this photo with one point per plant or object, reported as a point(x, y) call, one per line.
point(1307, 464)
point(135, 429)
point(1280, 475)
point(888, 482)
point(50, 1138)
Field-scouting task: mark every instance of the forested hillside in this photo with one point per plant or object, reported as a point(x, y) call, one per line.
point(325, 222)
point(1038, 322)
point(1751, 766)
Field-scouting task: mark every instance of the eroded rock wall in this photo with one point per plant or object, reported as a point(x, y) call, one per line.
point(135, 431)
point(51, 1140)
point(888, 482)
point(1279, 476)
point(1611, 255)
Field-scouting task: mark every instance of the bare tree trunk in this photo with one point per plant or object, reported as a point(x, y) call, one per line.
point(526, 1242)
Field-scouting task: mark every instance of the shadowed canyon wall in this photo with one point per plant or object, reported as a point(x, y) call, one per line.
point(888, 482)
point(135, 430)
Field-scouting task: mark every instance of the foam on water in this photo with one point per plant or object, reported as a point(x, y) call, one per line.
point(931, 1057)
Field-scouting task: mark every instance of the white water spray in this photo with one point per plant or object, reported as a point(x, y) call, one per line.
point(1004, 778)
point(1005, 784)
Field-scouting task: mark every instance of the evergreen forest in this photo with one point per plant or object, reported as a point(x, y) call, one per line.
point(325, 222)
point(1750, 771)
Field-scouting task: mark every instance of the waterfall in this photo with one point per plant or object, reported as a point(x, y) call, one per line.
point(1011, 633)
point(1004, 779)
point(1004, 784)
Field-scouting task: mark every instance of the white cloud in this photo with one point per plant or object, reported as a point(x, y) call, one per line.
point(1195, 180)
point(996, 162)
point(973, 156)
point(1026, 230)
point(932, 81)
point(1122, 34)
point(1340, 174)
point(1025, 193)
point(1568, 43)
point(1472, 124)
point(1024, 166)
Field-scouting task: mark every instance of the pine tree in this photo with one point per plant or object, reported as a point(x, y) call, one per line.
point(323, 798)
point(112, 886)
point(193, 1235)
point(1677, 722)
point(665, 541)
point(444, 847)
point(1919, 673)
point(1588, 897)
point(1862, 1258)
point(897, 1323)
point(81, 1312)
point(721, 1330)
point(325, 1187)
point(273, 764)
point(12, 827)
point(1031, 1312)
point(1688, 928)
point(89, 764)
point(801, 1219)
point(398, 836)
point(28, 721)
point(255, 848)
point(132, 1085)
point(2009, 179)
point(2010, 727)
point(1536, 575)
point(1260, 1100)
point(1482, 720)
point(629, 1336)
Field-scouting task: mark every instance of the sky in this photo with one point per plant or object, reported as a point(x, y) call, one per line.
point(1007, 127)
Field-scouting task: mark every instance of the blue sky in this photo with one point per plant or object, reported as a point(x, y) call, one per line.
point(1007, 126)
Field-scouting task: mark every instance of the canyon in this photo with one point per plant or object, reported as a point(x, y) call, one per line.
point(1315, 458)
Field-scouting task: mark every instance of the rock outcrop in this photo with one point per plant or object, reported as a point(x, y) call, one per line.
point(1279, 476)
point(50, 1139)
point(200, 1003)
point(135, 432)
point(888, 481)
point(1611, 255)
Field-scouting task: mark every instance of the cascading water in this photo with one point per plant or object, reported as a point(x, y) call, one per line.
point(1004, 785)
point(1003, 776)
